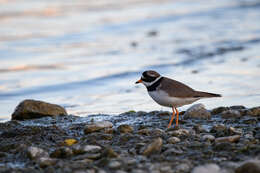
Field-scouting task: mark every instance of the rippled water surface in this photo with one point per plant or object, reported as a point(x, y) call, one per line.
point(86, 55)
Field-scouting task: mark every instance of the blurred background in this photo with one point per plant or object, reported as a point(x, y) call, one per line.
point(87, 54)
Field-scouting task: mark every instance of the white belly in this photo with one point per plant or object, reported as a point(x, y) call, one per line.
point(162, 98)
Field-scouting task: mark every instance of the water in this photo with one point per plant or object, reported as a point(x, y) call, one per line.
point(86, 55)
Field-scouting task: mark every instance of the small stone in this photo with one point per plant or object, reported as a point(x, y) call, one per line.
point(199, 129)
point(219, 110)
point(197, 111)
point(30, 109)
point(230, 139)
point(110, 153)
point(120, 171)
point(35, 153)
point(179, 132)
point(124, 128)
point(251, 166)
point(157, 132)
point(237, 107)
point(114, 164)
point(234, 131)
point(62, 152)
point(209, 138)
point(145, 132)
point(165, 169)
point(219, 128)
point(208, 168)
point(154, 147)
point(183, 167)
point(78, 149)
point(173, 140)
point(70, 142)
point(173, 151)
point(254, 112)
point(97, 126)
point(46, 161)
point(230, 114)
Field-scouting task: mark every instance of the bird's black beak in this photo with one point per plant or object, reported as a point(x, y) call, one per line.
point(139, 81)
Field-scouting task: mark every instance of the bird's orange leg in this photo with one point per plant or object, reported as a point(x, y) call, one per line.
point(177, 116)
point(173, 114)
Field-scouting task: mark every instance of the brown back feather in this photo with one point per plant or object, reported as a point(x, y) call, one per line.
point(178, 89)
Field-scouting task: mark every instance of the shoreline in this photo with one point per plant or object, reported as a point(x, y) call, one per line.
point(224, 140)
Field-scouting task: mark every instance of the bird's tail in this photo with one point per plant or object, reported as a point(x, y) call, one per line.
point(205, 94)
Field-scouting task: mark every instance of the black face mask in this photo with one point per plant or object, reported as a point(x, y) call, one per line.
point(147, 78)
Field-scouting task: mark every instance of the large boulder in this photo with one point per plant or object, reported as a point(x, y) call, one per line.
point(31, 109)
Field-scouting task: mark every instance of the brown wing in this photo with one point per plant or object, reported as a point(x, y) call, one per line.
point(177, 89)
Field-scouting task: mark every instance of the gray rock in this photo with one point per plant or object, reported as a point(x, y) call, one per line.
point(157, 132)
point(46, 161)
point(173, 151)
point(79, 149)
point(97, 126)
point(219, 110)
point(124, 128)
point(208, 168)
point(62, 152)
point(183, 167)
point(251, 166)
point(31, 109)
point(197, 111)
point(110, 153)
point(144, 132)
point(230, 139)
point(154, 147)
point(209, 138)
point(114, 164)
point(173, 140)
point(219, 129)
point(234, 131)
point(179, 132)
point(35, 153)
point(254, 111)
point(231, 114)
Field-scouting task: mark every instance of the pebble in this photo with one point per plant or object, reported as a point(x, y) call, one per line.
point(110, 153)
point(219, 110)
point(208, 168)
point(230, 139)
point(46, 161)
point(70, 142)
point(179, 132)
point(157, 132)
point(173, 151)
point(114, 164)
point(35, 153)
point(62, 152)
point(219, 128)
point(144, 132)
point(124, 128)
point(154, 147)
point(173, 140)
point(255, 112)
point(79, 149)
point(251, 166)
point(230, 114)
point(97, 126)
point(197, 111)
point(209, 138)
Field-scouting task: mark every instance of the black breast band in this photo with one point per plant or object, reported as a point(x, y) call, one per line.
point(155, 85)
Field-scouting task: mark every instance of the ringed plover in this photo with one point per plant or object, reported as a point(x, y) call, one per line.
point(171, 93)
